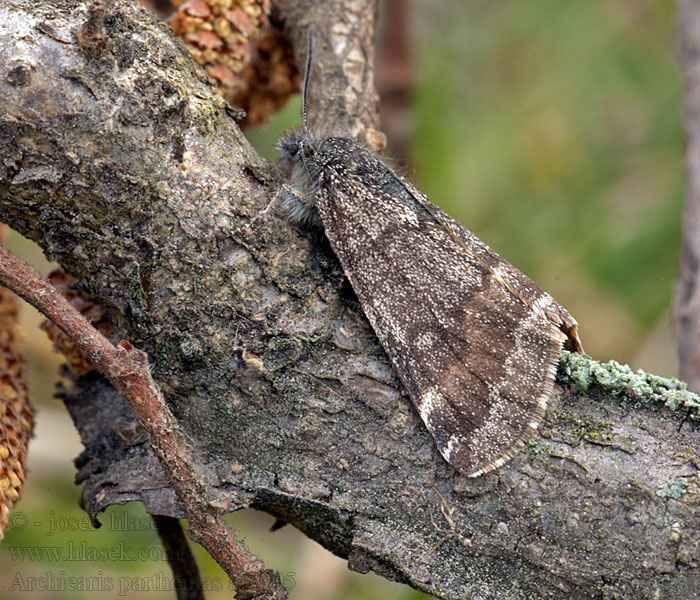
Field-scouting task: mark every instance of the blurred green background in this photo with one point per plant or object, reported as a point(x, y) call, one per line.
point(550, 128)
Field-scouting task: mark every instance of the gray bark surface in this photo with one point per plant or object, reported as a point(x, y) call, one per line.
point(125, 167)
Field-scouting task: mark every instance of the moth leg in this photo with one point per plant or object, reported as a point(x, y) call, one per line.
point(298, 207)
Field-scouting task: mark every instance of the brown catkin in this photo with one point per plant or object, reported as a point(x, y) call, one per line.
point(249, 60)
point(16, 413)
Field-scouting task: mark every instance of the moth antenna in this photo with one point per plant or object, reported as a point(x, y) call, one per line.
point(307, 72)
point(304, 96)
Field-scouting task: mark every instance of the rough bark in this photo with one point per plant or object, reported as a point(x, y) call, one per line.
point(122, 164)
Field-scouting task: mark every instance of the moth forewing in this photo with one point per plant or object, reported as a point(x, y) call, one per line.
point(474, 341)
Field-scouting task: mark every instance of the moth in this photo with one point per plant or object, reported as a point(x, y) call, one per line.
point(474, 341)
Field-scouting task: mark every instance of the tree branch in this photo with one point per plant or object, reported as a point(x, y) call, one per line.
point(126, 168)
point(127, 369)
point(686, 308)
point(342, 94)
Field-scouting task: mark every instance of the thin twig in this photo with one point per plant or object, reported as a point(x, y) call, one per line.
point(127, 369)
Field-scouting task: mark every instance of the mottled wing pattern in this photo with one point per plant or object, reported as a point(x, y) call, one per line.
point(516, 281)
point(474, 341)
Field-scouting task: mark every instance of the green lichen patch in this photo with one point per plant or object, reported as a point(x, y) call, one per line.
point(576, 429)
point(673, 489)
point(538, 447)
point(619, 380)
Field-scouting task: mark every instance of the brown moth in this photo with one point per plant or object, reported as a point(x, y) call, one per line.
point(475, 342)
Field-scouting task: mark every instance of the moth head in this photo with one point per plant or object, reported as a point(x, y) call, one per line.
point(293, 144)
point(296, 147)
point(298, 161)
